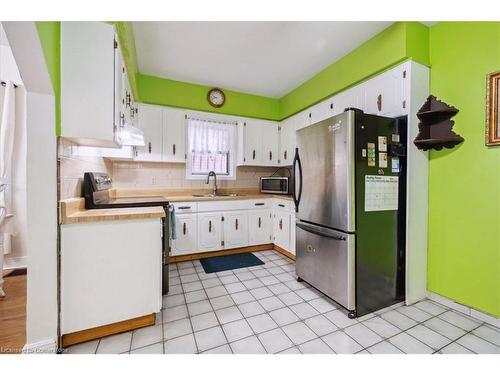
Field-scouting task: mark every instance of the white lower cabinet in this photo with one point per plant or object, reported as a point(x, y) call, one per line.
point(186, 234)
point(259, 227)
point(209, 231)
point(110, 272)
point(235, 229)
point(281, 229)
point(212, 226)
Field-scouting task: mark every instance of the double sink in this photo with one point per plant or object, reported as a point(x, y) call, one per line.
point(212, 195)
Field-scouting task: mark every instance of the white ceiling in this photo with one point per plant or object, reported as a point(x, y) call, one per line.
point(262, 58)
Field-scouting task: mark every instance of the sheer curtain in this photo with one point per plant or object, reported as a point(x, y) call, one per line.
point(209, 143)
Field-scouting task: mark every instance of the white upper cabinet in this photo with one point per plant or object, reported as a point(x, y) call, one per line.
point(151, 123)
point(320, 111)
point(384, 94)
point(287, 141)
point(258, 143)
point(174, 135)
point(88, 83)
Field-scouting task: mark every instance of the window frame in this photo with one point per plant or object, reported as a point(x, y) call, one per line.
point(232, 155)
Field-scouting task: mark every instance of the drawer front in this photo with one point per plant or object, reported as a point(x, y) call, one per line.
point(259, 203)
point(185, 207)
point(222, 205)
point(283, 204)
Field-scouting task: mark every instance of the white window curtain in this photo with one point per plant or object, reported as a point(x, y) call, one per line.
point(209, 143)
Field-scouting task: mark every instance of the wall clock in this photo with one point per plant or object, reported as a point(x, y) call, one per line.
point(216, 97)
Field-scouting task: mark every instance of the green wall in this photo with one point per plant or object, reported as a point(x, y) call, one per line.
point(50, 35)
point(400, 41)
point(155, 90)
point(464, 182)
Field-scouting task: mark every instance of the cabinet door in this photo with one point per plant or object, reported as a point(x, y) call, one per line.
point(384, 94)
point(174, 135)
point(287, 142)
point(269, 136)
point(209, 231)
point(252, 130)
point(150, 122)
point(235, 229)
point(186, 229)
point(281, 229)
point(319, 112)
point(118, 106)
point(87, 83)
point(259, 227)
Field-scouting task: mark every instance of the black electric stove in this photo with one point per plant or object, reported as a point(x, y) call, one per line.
point(96, 191)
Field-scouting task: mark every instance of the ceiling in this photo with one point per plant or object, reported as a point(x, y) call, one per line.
point(262, 58)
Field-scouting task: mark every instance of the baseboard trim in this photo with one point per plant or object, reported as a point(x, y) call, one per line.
point(467, 310)
point(48, 346)
point(284, 252)
point(107, 330)
point(14, 263)
point(209, 254)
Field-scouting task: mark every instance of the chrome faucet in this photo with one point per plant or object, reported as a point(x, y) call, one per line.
point(212, 173)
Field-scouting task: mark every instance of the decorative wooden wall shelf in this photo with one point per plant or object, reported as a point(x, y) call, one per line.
point(435, 127)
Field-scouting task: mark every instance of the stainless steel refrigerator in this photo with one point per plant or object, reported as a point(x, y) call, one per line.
point(350, 183)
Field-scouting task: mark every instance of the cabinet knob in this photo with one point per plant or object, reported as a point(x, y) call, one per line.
point(281, 224)
point(173, 148)
point(379, 102)
point(149, 147)
point(184, 228)
point(260, 222)
point(270, 155)
point(331, 105)
point(210, 226)
point(236, 224)
point(285, 155)
point(253, 155)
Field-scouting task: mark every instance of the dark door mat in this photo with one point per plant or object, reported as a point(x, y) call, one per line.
point(17, 272)
point(230, 262)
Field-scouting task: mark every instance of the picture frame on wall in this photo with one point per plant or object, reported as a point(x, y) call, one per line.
point(493, 109)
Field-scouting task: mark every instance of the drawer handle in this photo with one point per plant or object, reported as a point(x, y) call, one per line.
point(260, 222)
point(184, 228)
point(173, 148)
point(236, 224)
point(270, 155)
point(281, 205)
point(210, 226)
point(149, 147)
point(184, 207)
point(379, 102)
point(259, 204)
point(281, 224)
point(284, 155)
point(253, 155)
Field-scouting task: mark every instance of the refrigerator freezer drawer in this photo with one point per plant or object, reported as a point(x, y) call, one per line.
point(325, 260)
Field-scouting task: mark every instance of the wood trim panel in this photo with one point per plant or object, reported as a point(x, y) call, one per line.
point(239, 250)
point(284, 252)
point(107, 330)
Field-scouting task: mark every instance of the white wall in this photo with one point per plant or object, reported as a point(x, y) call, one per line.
point(9, 71)
point(41, 180)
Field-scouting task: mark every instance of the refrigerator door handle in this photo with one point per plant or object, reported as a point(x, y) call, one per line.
point(296, 162)
point(324, 232)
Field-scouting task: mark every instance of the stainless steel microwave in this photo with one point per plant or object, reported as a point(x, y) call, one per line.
point(274, 185)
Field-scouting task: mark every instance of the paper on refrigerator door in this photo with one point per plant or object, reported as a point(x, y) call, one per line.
point(381, 193)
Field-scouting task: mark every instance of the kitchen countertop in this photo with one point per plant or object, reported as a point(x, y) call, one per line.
point(73, 210)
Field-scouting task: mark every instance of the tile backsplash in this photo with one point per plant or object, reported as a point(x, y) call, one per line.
point(75, 160)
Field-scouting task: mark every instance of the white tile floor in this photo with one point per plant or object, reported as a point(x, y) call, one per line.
point(264, 309)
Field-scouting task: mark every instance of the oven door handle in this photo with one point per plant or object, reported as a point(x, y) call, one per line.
point(323, 232)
